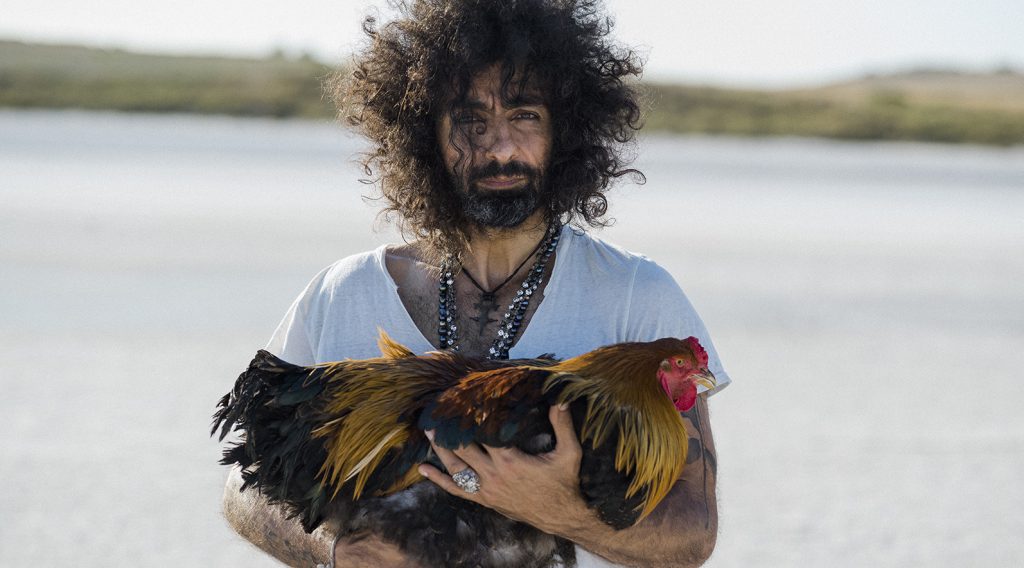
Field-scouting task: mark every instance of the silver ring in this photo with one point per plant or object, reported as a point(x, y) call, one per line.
point(467, 480)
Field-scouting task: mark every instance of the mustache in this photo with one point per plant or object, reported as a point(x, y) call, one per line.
point(510, 169)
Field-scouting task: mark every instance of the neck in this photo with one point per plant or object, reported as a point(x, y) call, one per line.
point(493, 254)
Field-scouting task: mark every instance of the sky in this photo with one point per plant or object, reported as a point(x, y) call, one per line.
point(770, 43)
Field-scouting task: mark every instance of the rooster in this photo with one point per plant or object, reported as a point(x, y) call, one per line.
point(344, 439)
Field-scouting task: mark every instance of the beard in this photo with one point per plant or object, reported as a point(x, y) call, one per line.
point(505, 208)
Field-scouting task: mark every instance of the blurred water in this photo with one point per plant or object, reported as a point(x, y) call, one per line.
point(865, 298)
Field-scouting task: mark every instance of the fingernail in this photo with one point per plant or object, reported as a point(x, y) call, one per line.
point(423, 471)
point(563, 406)
point(430, 435)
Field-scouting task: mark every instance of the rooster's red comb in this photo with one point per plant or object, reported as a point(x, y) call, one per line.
point(698, 351)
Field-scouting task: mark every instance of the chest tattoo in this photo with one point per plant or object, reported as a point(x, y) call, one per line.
point(484, 307)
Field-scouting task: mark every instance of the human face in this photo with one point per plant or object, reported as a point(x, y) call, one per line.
point(496, 150)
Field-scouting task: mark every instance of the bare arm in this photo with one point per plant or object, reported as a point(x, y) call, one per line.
point(266, 526)
point(543, 491)
point(683, 529)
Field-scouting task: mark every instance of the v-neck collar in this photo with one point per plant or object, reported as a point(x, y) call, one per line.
point(550, 290)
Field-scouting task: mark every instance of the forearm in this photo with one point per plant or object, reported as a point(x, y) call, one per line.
point(265, 526)
point(681, 532)
point(683, 529)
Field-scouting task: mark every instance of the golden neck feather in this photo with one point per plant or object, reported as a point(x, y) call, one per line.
point(623, 393)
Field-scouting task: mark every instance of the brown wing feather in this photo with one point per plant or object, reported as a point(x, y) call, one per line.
point(496, 407)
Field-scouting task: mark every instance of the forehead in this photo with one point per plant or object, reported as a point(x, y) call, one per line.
point(496, 83)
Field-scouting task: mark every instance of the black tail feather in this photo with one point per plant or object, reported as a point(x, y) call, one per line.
point(269, 407)
point(274, 406)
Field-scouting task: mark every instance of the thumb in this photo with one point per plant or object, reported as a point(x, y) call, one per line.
point(566, 440)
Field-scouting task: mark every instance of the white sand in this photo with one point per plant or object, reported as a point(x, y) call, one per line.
point(866, 300)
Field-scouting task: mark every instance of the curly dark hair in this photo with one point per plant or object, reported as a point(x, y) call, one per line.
point(418, 64)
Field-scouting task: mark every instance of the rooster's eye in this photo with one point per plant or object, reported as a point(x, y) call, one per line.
point(679, 362)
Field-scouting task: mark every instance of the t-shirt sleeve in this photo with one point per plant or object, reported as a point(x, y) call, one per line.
point(659, 308)
point(292, 340)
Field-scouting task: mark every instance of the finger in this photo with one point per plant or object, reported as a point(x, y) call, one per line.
point(445, 482)
point(451, 461)
point(503, 455)
point(471, 455)
point(566, 440)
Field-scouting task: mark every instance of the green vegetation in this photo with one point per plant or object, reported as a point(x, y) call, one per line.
point(51, 76)
point(936, 106)
point(882, 114)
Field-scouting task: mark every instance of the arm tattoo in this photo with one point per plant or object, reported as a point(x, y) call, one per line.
point(697, 450)
point(268, 528)
point(704, 471)
point(278, 541)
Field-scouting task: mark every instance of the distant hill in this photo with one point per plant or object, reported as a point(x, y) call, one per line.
point(63, 76)
point(1003, 89)
point(932, 106)
point(926, 105)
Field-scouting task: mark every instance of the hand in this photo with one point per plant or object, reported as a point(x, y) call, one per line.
point(370, 550)
point(540, 490)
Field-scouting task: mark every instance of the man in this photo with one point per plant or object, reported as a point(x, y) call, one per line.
point(495, 124)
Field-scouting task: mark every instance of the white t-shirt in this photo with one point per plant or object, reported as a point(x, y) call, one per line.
point(599, 294)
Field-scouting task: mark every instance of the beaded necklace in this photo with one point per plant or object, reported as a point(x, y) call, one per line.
point(512, 320)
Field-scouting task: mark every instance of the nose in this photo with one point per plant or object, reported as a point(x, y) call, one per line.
point(499, 142)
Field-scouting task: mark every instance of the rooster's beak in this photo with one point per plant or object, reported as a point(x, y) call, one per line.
point(705, 379)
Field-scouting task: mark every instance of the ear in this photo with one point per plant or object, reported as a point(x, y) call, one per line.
point(688, 397)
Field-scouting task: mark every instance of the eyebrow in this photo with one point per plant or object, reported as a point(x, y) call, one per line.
point(522, 99)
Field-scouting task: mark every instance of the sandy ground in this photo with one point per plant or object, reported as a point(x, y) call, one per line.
point(866, 301)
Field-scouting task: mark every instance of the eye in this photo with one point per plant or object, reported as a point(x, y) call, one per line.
point(466, 118)
point(527, 115)
point(679, 362)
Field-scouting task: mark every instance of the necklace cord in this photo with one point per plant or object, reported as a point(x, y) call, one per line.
point(510, 276)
